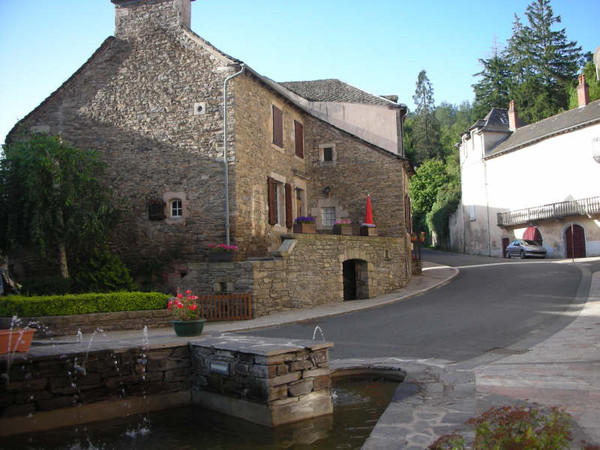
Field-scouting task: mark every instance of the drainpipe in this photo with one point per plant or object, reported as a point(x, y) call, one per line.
point(226, 168)
point(487, 208)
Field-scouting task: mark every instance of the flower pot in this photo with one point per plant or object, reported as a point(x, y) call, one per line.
point(342, 229)
point(305, 227)
point(221, 257)
point(20, 340)
point(188, 327)
point(368, 231)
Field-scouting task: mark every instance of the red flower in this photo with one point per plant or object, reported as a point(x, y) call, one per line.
point(180, 295)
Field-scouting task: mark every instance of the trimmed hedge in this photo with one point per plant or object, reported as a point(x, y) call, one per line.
point(67, 305)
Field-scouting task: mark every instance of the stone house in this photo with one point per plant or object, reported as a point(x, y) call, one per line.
point(164, 106)
point(537, 182)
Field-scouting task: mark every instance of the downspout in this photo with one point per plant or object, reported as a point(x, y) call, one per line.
point(226, 168)
point(487, 207)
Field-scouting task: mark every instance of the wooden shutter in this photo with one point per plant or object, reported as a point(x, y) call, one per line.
point(271, 198)
point(289, 219)
point(277, 126)
point(299, 133)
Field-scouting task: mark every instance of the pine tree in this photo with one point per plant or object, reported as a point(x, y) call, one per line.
point(544, 63)
point(492, 91)
point(425, 134)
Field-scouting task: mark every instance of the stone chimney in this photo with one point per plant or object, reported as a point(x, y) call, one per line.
point(135, 18)
point(513, 118)
point(583, 93)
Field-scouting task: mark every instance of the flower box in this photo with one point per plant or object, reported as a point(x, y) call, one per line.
point(305, 227)
point(368, 231)
point(221, 257)
point(16, 340)
point(343, 229)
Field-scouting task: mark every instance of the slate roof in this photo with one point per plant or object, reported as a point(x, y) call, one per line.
point(552, 126)
point(333, 90)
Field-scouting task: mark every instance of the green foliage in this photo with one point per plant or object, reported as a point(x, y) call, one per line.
point(424, 126)
point(47, 286)
point(429, 178)
point(104, 272)
point(513, 427)
point(537, 69)
point(52, 199)
point(59, 305)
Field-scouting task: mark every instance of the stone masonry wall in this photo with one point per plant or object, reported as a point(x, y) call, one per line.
point(40, 384)
point(308, 272)
point(358, 169)
point(136, 102)
point(267, 381)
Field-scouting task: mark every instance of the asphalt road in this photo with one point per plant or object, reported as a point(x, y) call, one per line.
point(492, 303)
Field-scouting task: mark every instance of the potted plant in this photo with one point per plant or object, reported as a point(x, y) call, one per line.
point(343, 226)
point(222, 253)
point(368, 229)
point(305, 225)
point(16, 339)
point(186, 314)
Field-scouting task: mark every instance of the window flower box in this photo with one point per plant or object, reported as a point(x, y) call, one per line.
point(222, 253)
point(368, 230)
point(343, 227)
point(305, 225)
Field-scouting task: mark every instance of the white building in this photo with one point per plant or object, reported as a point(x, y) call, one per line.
point(538, 181)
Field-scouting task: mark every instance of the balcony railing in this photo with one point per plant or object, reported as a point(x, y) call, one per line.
point(586, 206)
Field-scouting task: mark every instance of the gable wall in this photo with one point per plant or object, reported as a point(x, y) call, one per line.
point(135, 103)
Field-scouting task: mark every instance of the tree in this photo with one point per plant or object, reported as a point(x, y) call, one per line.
point(544, 63)
point(429, 178)
point(492, 91)
point(52, 198)
point(425, 129)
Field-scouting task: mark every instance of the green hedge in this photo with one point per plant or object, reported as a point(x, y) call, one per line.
point(59, 305)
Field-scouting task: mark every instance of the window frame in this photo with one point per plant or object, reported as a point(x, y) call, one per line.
point(173, 207)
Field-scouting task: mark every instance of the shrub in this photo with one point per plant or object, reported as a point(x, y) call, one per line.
point(104, 272)
point(513, 428)
point(58, 305)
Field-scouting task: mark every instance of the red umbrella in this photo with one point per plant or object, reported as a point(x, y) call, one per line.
point(369, 213)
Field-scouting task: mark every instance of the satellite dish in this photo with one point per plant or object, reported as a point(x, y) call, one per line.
point(597, 63)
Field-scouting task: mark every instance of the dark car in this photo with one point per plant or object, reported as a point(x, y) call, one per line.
point(524, 248)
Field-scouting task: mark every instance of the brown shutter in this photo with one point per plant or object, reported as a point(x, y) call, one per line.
point(299, 139)
point(289, 219)
point(271, 200)
point(277, 126)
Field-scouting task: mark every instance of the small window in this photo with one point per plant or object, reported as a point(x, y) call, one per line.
point(176, 208)
point(279, 203)
point(156, 210)
point(328, 154)
point(277, 127)
point(328, 216)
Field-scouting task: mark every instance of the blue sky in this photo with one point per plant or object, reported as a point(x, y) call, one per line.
point(379, 46)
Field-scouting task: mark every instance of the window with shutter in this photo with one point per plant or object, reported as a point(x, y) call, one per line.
point(299, 137)
point(289, 219)
point(156, 210)
point(272, 200)
point(277, 126)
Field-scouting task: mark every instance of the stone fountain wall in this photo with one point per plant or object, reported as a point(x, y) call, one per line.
point(266, 381)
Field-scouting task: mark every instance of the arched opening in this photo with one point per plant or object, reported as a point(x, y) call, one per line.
point(356, 279)
point(575, 241)
point(533, 234)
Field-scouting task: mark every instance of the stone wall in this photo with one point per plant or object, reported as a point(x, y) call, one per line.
point(308, 271)
point(266, 381)
point(79, 386)
point(52, 326)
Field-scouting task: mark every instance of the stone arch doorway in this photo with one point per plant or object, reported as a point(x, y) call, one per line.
point(356, 279)
point(575, 241)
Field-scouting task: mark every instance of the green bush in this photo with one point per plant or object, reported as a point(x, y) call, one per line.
point(104, 272)
point(513, 427)
point(58, 305)
point(56, 285)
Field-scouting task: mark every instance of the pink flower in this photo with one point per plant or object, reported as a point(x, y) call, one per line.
point(180, 295)
point(193, 307)
point(188, 292)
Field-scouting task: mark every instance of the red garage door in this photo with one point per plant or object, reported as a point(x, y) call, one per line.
point(575, 242)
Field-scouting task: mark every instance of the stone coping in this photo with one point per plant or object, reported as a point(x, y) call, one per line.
point(260, 346)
